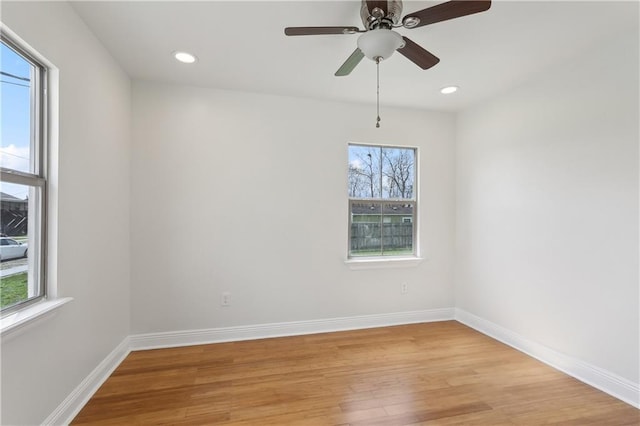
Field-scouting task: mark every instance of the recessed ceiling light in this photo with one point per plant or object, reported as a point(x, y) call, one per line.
point(184, 57)
point(448, 90)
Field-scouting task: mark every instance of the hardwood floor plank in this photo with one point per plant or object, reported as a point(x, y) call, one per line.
point(423, 374)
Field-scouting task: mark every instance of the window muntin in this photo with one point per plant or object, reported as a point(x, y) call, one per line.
point(22, 175)
point(382, 201)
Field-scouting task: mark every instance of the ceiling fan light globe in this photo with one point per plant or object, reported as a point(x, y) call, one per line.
point(380, 43)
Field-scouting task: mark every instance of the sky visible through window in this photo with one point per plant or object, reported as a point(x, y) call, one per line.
point(15, 117)
point(381, 172)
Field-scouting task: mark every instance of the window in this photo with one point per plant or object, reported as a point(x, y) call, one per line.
point(22, 177)
point(382, 201)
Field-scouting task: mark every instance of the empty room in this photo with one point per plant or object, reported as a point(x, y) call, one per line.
point(320, 212)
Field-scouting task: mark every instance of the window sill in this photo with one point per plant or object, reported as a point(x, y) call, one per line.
point(13, 323)
point(383, 263)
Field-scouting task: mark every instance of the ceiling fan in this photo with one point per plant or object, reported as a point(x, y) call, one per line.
point(379, 40)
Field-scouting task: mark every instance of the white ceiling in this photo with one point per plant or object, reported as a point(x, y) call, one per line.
point(241, 46)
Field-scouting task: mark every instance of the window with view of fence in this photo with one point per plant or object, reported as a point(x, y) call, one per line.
point(382, 203)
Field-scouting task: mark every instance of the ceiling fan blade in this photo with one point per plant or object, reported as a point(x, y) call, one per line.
point(350, 63)
point(382, 5)
point(298, 31)
point(418, 55)
point(449, 10)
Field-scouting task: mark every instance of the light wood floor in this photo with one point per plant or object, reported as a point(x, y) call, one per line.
point(437, 373)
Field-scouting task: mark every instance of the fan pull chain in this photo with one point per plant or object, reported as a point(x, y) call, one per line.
point(378, 90)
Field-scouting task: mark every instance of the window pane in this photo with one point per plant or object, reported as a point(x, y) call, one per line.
point(366, 234)
point(19, 266)
point(398, 173)
point(397, 228)
point(364, 171)
point(16, 111)
point(381, 228)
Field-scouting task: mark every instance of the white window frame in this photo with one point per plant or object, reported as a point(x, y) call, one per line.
point(387, 261)
point(35, 179)
point(21, 316)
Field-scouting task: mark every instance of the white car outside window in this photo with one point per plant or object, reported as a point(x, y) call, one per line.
point(12, 249)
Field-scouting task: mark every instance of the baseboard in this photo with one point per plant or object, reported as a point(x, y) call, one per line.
point(261, 331)
point(608, 382)
point(71, 406)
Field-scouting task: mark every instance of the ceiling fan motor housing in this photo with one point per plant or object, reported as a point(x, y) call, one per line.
point(381, 19)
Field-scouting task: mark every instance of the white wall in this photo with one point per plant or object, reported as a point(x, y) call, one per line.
point(246, 193)
point(42, 365)
point(547, 208)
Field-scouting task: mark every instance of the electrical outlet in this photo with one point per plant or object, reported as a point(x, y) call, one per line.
point(225, 299)
point(404, 288)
